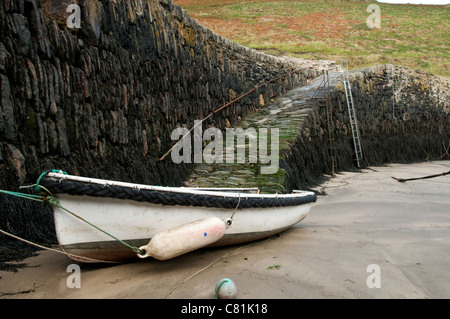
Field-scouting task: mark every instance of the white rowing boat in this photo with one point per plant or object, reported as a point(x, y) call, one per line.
point(138, 214)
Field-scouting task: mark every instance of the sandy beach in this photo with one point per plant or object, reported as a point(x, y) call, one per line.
point(368, 236)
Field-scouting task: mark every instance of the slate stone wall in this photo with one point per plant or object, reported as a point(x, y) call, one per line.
point(403, 116)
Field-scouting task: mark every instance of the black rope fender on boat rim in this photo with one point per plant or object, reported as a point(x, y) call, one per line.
point(63, 186)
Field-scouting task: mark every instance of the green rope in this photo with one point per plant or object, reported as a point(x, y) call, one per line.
point(37, 186)
point(135, 249)
point(54, 201)
point(22, 195)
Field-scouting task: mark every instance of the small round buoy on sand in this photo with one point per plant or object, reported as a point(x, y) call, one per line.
point(225, 289)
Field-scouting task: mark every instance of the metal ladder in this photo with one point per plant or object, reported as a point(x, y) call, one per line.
point(351, 111)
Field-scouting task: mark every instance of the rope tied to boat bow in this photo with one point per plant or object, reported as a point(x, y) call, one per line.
point(46, 196)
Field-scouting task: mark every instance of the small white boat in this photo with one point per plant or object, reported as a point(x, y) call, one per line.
point(134, 214)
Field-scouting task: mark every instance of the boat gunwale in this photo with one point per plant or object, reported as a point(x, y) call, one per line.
point(218, 192)
point(171, 196)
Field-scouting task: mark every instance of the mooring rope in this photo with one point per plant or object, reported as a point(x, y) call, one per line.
point(54, 201)
point(225, 106)
point(133, 248)
point(237, 206)
point(54, 250)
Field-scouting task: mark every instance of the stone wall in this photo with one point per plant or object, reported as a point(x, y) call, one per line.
point(402, 118)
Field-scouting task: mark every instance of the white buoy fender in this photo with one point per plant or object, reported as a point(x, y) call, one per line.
point(185, 238)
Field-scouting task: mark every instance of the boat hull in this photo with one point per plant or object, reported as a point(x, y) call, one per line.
point(137, 222)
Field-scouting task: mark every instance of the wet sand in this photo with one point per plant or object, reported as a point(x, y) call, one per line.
point(365, 218)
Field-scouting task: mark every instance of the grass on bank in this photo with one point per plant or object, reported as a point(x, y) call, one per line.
point(417, 36)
